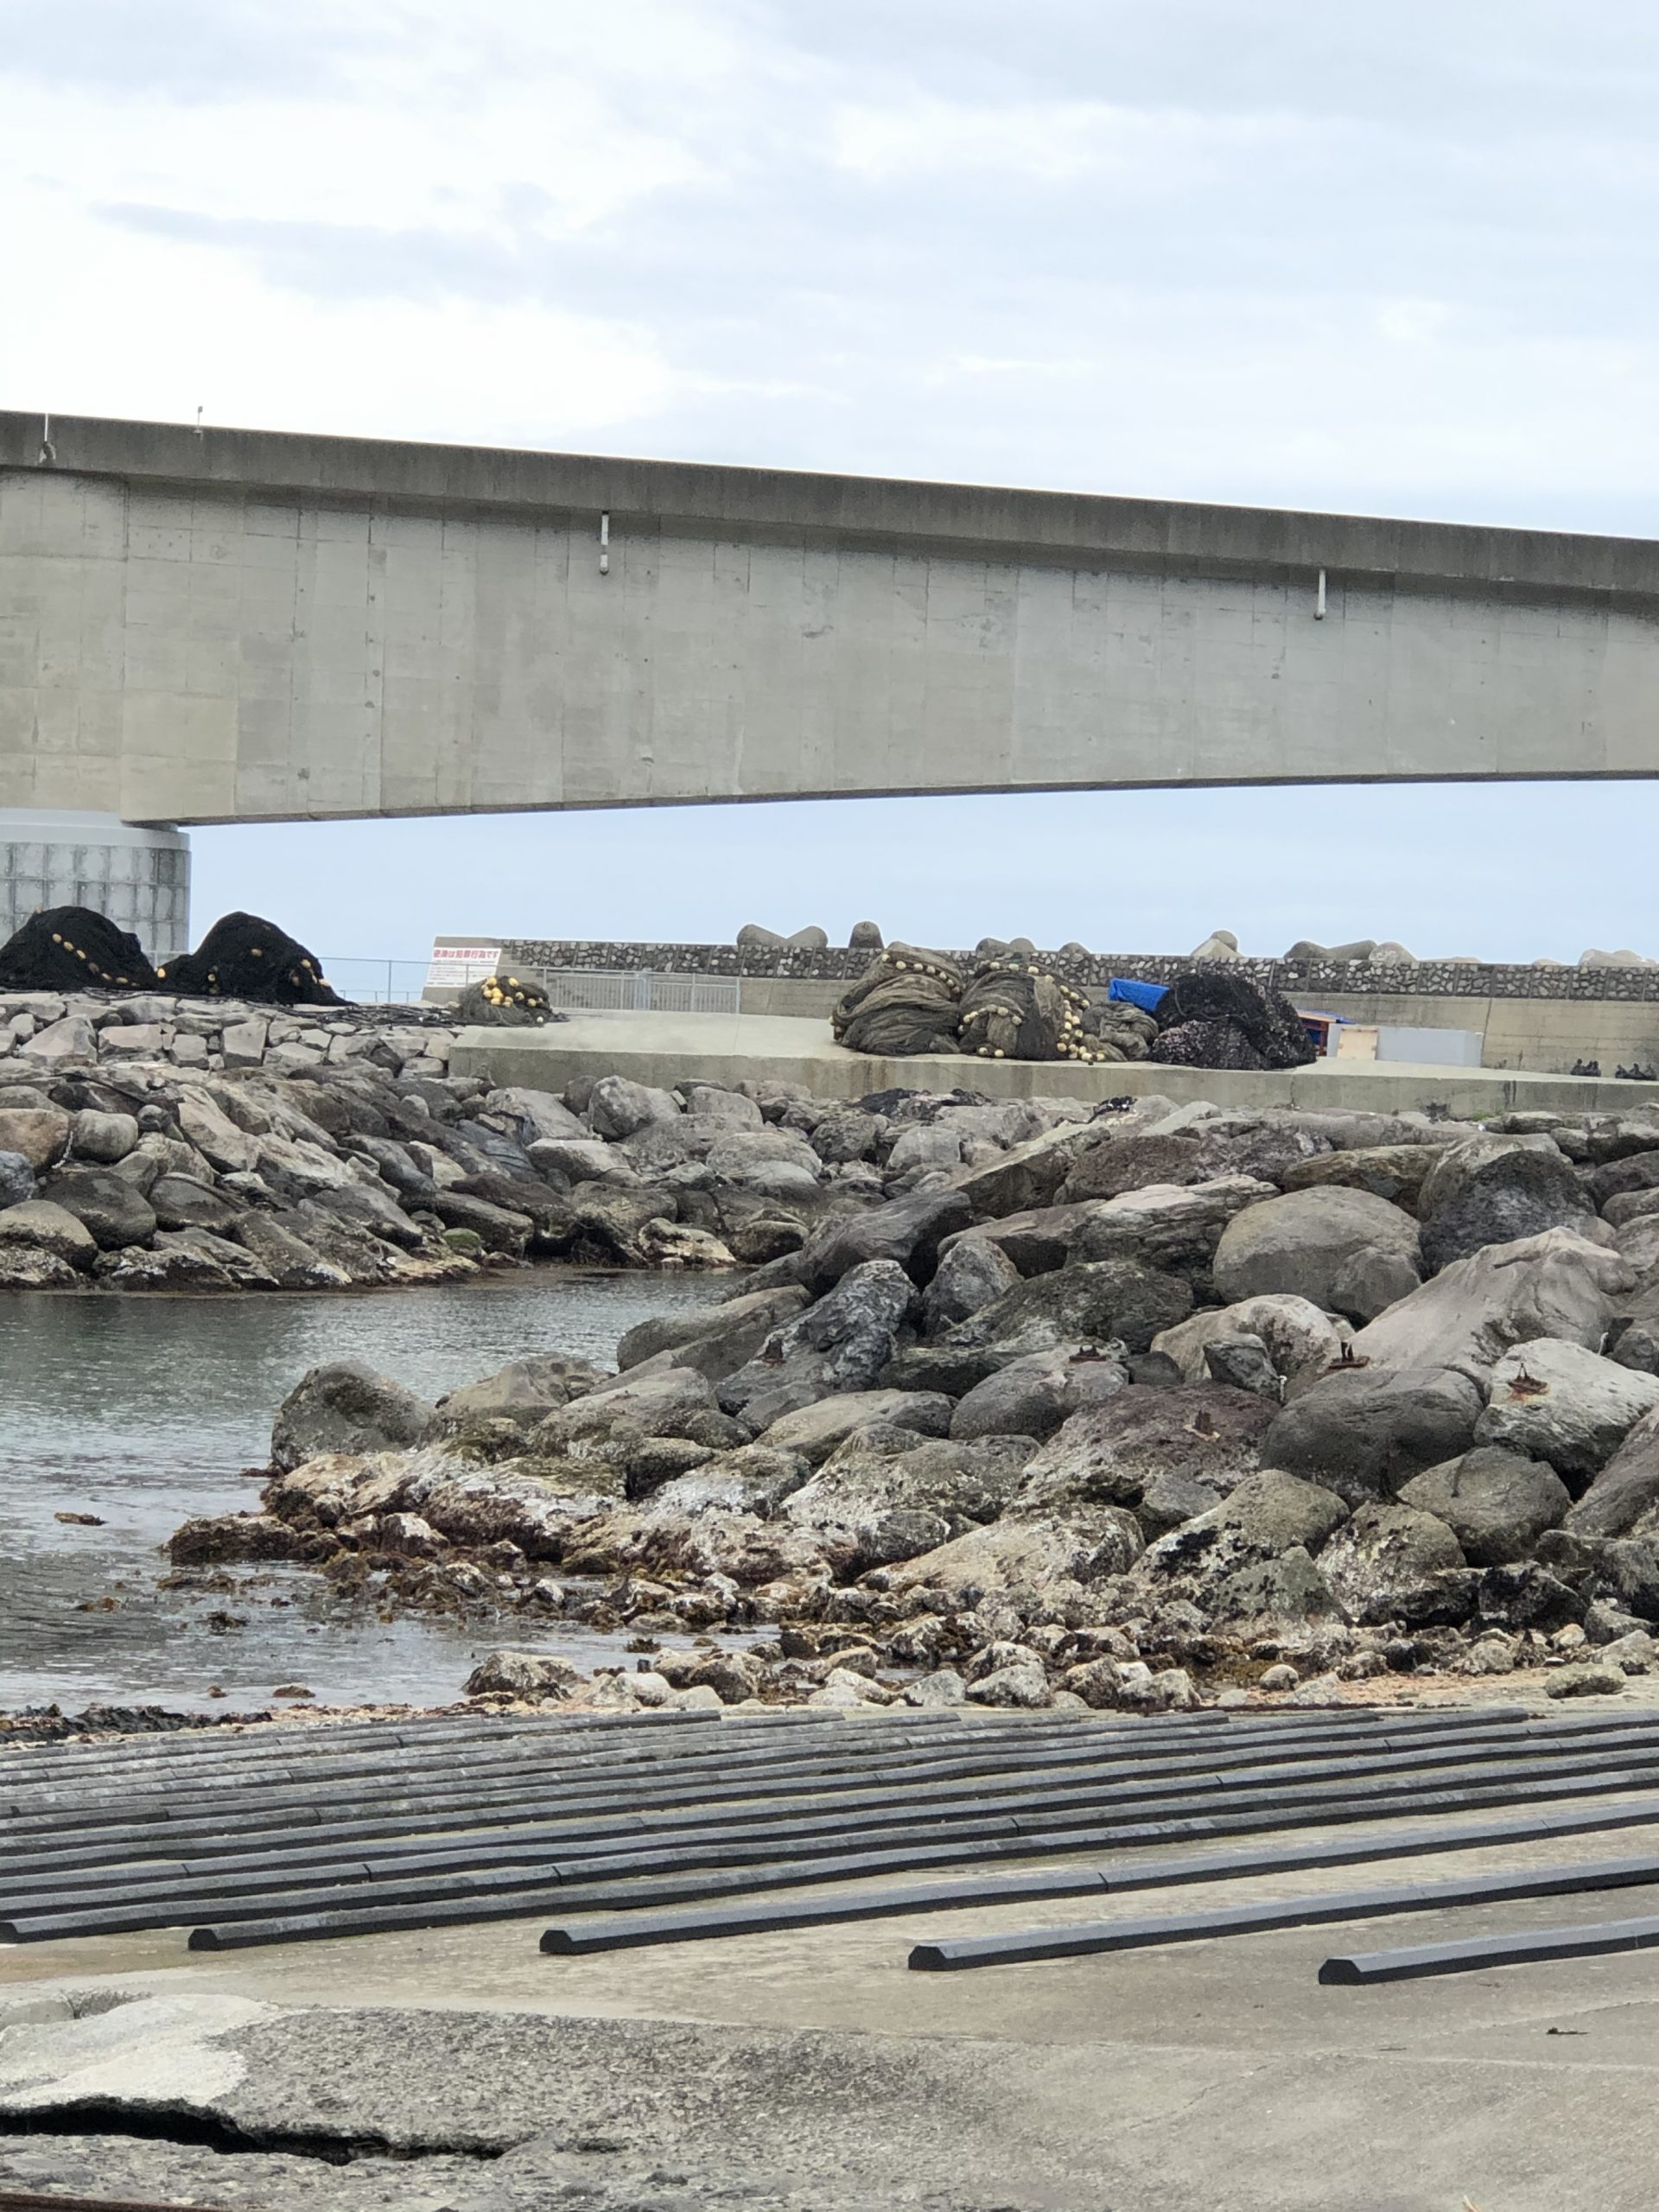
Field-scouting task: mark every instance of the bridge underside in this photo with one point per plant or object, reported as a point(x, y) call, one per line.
point(243, 626)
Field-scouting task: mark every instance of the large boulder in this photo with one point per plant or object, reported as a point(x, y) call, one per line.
point(1496, 1502)
point(1030, 1175)
point(1626, 1489)
point(842, 1343)
point(40, 1226)
point(1109, 1453)
point(1032, 1396)
point(884, 1497)
point(40, 1134)
point(714, 1340)
point(344, 1406)
point(771, 1162)
point(17, 1182)
point(816, 1431)
point(1093, 1304)
point(651, 1402)
point(617, 1106)
point(1385, 1560)
point(1168, 1225)
point(523, 1392)
point(1263, 1518)
point(1299, 1245)
point(1033, 1554)
point(1475, 1310)
point(1129, 1162)
point(184, 1202)
point(113, 1209)
point(1559, 1401)
point(1493, 1190)
point(1302, 1342)
point(1395, 1172)
point(908, 1231)
point(1365, 1431)
point(971, 1275)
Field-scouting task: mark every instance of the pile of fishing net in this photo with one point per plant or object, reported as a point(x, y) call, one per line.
point(1207, 1020)
point(504, 1000)
point(904, 1003)
point(243, 956)
point(1012, 1009)
point(72, 949)
point(1120, 1032)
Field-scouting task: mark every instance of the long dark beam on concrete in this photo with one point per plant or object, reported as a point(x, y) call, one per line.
point(1033, 1946)
point(643, 1931)
point(1540, 1946)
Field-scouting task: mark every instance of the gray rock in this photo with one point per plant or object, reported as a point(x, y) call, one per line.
point(775, 1162)
point(104, 1138)
point(616, 1108)
point(714, 1340)
point(653, 1402)
point(1030, 1553)
point(1395, 1172)
point(537, 1115)
point(537, 1677)
point(1273, 1593)
point(1032, 1396)
point(1301, 1342)
point(1378, 1562)
point(817, 1430)
point(289, 1259)
point(1300, 1243)
point(1496, 1503)
point(843, 1343)
point(578, 1160)
point(1592, 1678)
point(973, 1273)
point(908, 1232)
point(181, 1202)
point(848, 1134)
point(39, 1133)
point(25, 1266)
point(16, 1178)
point(523, 1392)
point(1096, 1303)
point(1243, 1363)
point(114, 1210)
point(1024, 1685)
point(71, 1038)
point(1475, 1310)
point(1129, 1162)
point(942, 1688)
point(344, 1406)
point(1558, 1401)
point(1365, 1432)
point(1626, 1489)
point(1030, 1175)
point(43, 1227)
point(1168, 1225)
point(1371, 1281)
point(1493, 1190)
point(885, 1495)
point(707, 1103)
point(1111, 1453)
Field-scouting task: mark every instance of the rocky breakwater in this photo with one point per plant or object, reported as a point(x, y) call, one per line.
point(204, 1149)
point(1153, 1406)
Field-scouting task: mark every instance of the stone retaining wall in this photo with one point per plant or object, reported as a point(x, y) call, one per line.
point(1095, 970)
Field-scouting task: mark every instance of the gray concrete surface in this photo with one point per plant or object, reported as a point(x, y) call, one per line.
point(241, 626)
point(139, 877)
point(1188, 2079)
point(722, 1048)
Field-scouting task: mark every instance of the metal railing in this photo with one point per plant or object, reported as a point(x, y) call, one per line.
point(641, 990)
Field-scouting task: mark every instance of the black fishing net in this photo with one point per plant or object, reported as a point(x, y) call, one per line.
point(1203, 1003)
point(244, 957)
point(903, 1004)
point(1014, 1010)
point(72, 949)
point(505, 1000)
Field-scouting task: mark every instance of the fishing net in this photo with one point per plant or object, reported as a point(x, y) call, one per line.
point(1203, 1005)
point(72, 949)
point(1014, 1010)
point(505, 1001)
point(1120, 1031)
point(243, 956)
point(903, 1004)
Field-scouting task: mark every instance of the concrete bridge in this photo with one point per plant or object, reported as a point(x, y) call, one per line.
point(236, 626)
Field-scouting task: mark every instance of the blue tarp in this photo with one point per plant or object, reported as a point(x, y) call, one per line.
point(1145, 995)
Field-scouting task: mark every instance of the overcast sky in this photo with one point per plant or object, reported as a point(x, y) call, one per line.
point(1398, 262)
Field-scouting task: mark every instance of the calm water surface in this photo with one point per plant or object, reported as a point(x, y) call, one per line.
point(145, 1411)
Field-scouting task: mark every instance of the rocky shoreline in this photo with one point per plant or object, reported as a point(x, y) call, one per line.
point(1137, 1409)
point(170, 1144)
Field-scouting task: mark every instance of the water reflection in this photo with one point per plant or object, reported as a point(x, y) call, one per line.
point(145, 1411)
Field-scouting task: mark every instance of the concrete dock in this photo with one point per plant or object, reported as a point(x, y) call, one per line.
point(667, 1049)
